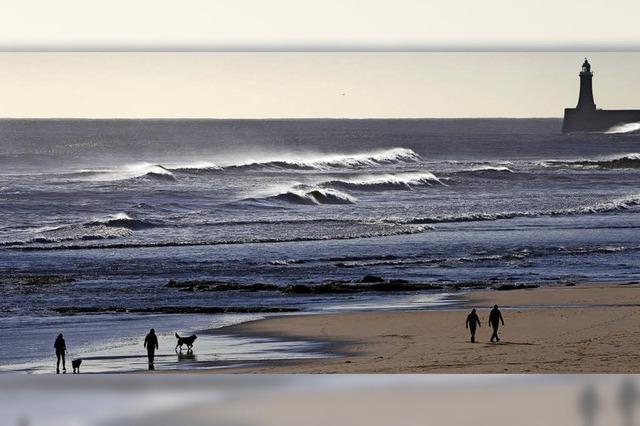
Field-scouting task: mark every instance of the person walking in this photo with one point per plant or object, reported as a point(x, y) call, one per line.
point(495, 318)
point(151, 343)
point(61, 349)
point(472, 322)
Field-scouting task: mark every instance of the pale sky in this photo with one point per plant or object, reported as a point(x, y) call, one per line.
point(299, 85)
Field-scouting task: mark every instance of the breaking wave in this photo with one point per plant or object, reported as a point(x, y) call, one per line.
point(132, 171)
point(624, 128)
point(200, 167)
point(313, 196)
point(300, 163)
point(349, 161)
point(403, 181)
point(626, 161)
point(122, 220)
point(623, 203)
point(486, 171)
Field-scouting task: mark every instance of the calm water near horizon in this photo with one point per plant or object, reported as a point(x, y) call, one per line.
point(110, 210)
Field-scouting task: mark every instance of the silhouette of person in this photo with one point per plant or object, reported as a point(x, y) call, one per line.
point(61, 349)
point(151, 343)
point(495, 318)
point(472, 322)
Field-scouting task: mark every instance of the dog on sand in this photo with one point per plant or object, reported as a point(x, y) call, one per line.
point(186, 341)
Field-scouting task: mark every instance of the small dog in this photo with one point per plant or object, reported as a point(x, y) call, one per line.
point(186, 341)
point(76, 365)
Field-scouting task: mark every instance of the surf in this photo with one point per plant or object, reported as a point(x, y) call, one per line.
point(624, 161)
point(309, 196)
point(384, 182)
point(333, 161)
point(623, 128)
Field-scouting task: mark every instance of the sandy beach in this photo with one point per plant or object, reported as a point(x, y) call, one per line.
point(556, 329)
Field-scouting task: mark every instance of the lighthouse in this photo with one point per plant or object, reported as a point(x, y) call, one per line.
point(586, 118)
point(585, 100)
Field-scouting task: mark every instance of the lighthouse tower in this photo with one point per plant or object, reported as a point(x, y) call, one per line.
point(585, 101)
point(586, 118)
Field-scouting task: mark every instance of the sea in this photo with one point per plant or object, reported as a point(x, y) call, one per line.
point(110, 227)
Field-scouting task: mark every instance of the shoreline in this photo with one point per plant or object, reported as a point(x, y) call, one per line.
point(404, 339)
point(587, 328)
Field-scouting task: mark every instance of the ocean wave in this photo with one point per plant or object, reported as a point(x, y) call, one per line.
point(131, 171)
point(486, 171)
point(118, 225)
point(524, 254)
point(381, 232)
point(625, 161)
point(326, 162)
point(624, 128)
point(386, 182)
point(167, 171)
point(199, 167)
point(308, 196)
point(622, 203)
point(123, 220)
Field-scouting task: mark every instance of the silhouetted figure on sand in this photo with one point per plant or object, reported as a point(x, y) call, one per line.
point(151, 343)
point(472, 322)
point(61, 349)
point(495, 318)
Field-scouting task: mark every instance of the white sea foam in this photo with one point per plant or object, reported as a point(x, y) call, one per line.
point(128, 171)
point(381, 182)
point(624, 128)
point(491, 169)
point(621, 161)
point(616, 204)
point(333, 161)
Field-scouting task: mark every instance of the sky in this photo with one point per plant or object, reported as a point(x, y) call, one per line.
point(308, 85)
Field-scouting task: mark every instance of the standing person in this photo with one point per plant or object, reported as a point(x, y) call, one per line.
point(495, 318)
point(472, 321)
point(61, 349)
point(151, 343)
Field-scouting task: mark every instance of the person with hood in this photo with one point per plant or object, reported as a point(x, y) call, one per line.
point(61, 349)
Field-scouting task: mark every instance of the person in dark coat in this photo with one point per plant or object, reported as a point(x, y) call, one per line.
point(151, 343)
point(61, 349)
point(495, 318)
point(472, 322)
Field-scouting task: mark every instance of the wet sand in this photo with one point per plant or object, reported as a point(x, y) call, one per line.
point(559, 329)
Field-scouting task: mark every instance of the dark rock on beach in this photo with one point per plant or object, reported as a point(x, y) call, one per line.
point(174, 310)
point(369, 283)
point(390, 286)
point(468, 285)
point(205, 285)
point(516, 286)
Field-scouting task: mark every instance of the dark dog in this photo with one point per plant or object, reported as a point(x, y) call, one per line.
point(76, 365)
point(186, 341)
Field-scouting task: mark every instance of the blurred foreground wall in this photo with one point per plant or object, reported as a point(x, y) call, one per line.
point(207, 399)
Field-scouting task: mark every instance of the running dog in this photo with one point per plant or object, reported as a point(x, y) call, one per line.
point(186, 341)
